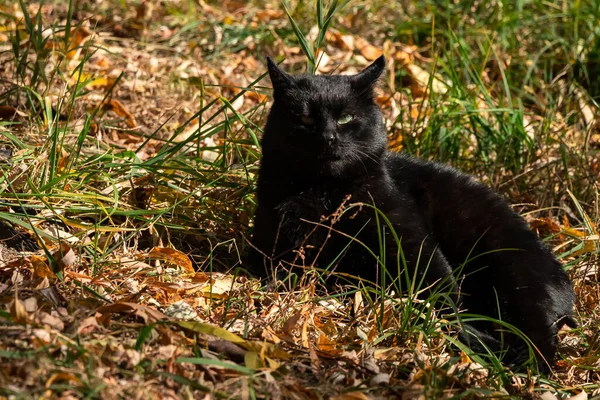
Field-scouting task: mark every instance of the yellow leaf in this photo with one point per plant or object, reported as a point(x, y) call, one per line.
point(252, 360)
point(268, 348)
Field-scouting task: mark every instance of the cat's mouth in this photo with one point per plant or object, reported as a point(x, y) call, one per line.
point(330, 155)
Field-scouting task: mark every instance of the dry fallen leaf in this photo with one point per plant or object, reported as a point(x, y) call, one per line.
point(148, 314)
point(172, 256)
point(64, 256)
point(17, 311)
point(41, 268)
point(422, 78)
point(118, 108)
point(351, 396)
point(368, 51)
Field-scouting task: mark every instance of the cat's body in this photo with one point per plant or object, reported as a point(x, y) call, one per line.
point(324, 148)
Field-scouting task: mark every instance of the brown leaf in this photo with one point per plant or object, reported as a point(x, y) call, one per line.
point(173, 256)
point(367, 50)
point(422, 79)
point(18, 312)
point(327, 346)
point(291, 324)
point(7, 113)
point(266, 15)
point(88, 325)
point(52, 321)
point(65, 256)
point(344, 42)
point(351, 396)
point(41, 268)
point(148, 314)
point(118, 108)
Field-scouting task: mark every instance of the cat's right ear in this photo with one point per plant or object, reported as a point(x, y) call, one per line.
point(280, 80)
point(366, 80)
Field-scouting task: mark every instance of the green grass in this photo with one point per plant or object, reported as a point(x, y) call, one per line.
point(519, 111)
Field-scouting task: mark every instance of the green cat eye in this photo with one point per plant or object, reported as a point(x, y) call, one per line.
point(307, 120)
point(344, 119)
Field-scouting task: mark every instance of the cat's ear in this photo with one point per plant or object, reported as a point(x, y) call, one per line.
point(280, 80)
point(367, 78)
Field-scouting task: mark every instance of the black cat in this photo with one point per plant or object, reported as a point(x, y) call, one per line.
point(324, 148)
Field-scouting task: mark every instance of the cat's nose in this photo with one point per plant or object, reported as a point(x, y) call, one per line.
point(330, 138)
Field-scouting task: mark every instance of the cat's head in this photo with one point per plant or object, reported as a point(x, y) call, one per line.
point(325, 125)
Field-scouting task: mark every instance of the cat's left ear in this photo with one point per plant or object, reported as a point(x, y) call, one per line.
point(367, 78)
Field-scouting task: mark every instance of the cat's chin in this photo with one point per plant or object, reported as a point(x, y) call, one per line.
point(333, 166)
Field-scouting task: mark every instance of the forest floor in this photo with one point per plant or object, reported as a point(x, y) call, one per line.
point(129, 146)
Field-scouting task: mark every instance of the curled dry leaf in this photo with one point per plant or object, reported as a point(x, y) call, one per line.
point(62, 377)
point(367, 50)
point(118, 108)
point(17, 311)
point(343, 42)
point(172, 256)
point(41, 268)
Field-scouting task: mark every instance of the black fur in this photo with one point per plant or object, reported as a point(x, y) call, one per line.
point(452, 228)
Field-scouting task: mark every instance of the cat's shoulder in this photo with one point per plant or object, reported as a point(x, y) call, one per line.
point(413, 172)
point(402, 164)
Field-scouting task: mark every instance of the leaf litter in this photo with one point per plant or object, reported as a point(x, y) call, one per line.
point(119, 303)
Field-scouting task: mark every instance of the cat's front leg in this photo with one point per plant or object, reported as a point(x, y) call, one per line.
point(299, 217)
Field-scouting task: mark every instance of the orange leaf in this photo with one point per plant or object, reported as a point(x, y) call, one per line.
point(79, 37)
point(173, 256)
point(41, 268)
point(367, 50)
point(62, 376)
point(118, 108)
point(327, 346)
